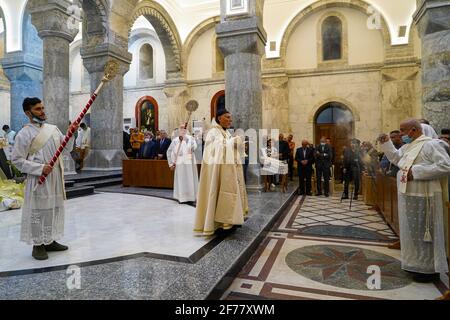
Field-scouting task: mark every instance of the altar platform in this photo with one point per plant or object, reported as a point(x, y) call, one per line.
point(134, 246)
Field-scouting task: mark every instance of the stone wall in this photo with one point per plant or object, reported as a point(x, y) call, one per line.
point(359, 91)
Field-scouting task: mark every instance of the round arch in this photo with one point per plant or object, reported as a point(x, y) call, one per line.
point(359, 5)
point(95, 22)
point(167, 32)
point(215, 101)
point(335, 121)
point(346, 103)
point(138, 109)
point(194, 35)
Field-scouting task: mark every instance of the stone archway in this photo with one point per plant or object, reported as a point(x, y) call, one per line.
point(334, 120)
point(359, 5)
point(195, 34)
point(166, 31)
point(95, 23)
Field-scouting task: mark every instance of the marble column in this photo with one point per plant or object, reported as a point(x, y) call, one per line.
point(107, 111)
point(432, 19)
point(24, 72)
point(56, 28)
point(242, 41)
point(25, 75)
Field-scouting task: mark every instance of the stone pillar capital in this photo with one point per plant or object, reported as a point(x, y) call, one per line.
point(95, 58)
point(432, 16)
point(19, 66)
point(176, 88)
point(241, 36)
point(55, 18)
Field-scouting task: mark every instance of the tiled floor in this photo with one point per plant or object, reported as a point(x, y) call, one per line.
point(323, 250)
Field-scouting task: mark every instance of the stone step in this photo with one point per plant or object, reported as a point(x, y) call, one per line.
point(82, 178)
point(101, 183)
point(69, 183)
point(75, 192)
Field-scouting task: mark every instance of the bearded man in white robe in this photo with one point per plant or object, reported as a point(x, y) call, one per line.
point(422, 193)
point(43, 209)
point(181, 158)
point(222, 199)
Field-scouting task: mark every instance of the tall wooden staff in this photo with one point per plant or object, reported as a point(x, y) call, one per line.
point(111, 70)
point(191, 107)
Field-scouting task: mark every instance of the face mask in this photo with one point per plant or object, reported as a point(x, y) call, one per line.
point(322, 143)
point(147, 140)
point(37, 120)
point(407, 139)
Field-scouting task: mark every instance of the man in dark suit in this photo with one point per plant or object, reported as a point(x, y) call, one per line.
point(352, 167)
point(305, 159)
point(148, 148)
point(163, 145)
point(323, 164)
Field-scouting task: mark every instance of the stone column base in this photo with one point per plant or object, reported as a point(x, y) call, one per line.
point(104, 160)
point(69, 165)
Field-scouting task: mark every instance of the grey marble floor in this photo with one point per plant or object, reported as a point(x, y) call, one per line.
point(149, 277)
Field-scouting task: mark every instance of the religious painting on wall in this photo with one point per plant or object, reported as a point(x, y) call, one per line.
point(147, 114)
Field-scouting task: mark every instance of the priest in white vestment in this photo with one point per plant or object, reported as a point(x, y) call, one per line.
point(43, 209)
point(422, 194)
point(181, 158)
point(222, 199)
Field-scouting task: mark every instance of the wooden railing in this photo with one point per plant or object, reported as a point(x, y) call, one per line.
point(386, 200)
point(147, 173)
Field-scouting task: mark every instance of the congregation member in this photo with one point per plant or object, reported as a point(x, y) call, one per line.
point(323, 164)
point(149, 147)
point(136, 139)
point(424, 167)
point(291, 143)
point(268, 170)
point(163, 145)
point(222, 197)
point(85, 146)
point(353, 166)
point(305, 159)
point(10, 138)
point(43, 209)
point(387, 167)
point(181, 159)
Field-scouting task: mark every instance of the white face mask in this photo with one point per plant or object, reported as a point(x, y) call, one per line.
point(147, 140)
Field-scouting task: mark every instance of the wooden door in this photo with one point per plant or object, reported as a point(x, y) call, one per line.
point(339, 135)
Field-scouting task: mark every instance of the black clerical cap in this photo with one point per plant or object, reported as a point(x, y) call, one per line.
point(221, 112)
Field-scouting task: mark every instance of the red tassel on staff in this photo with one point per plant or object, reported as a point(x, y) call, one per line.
point(111, 70)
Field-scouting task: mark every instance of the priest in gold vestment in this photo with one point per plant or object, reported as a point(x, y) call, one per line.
point(222, 198)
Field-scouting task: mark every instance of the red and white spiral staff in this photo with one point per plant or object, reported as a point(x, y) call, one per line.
point(111, 70)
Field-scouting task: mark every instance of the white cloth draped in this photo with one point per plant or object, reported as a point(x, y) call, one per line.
point(429, 131)
point(421, 207)
point(186, 176)
point(43, 209)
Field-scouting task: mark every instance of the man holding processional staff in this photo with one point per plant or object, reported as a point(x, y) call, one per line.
point(36, 152)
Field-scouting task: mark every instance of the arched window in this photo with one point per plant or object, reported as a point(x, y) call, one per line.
point(334, 113)
point(332, 38)
point(146, 62)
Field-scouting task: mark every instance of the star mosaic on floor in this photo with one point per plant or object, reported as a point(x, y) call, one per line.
point(346, 267)
point(320, 249)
